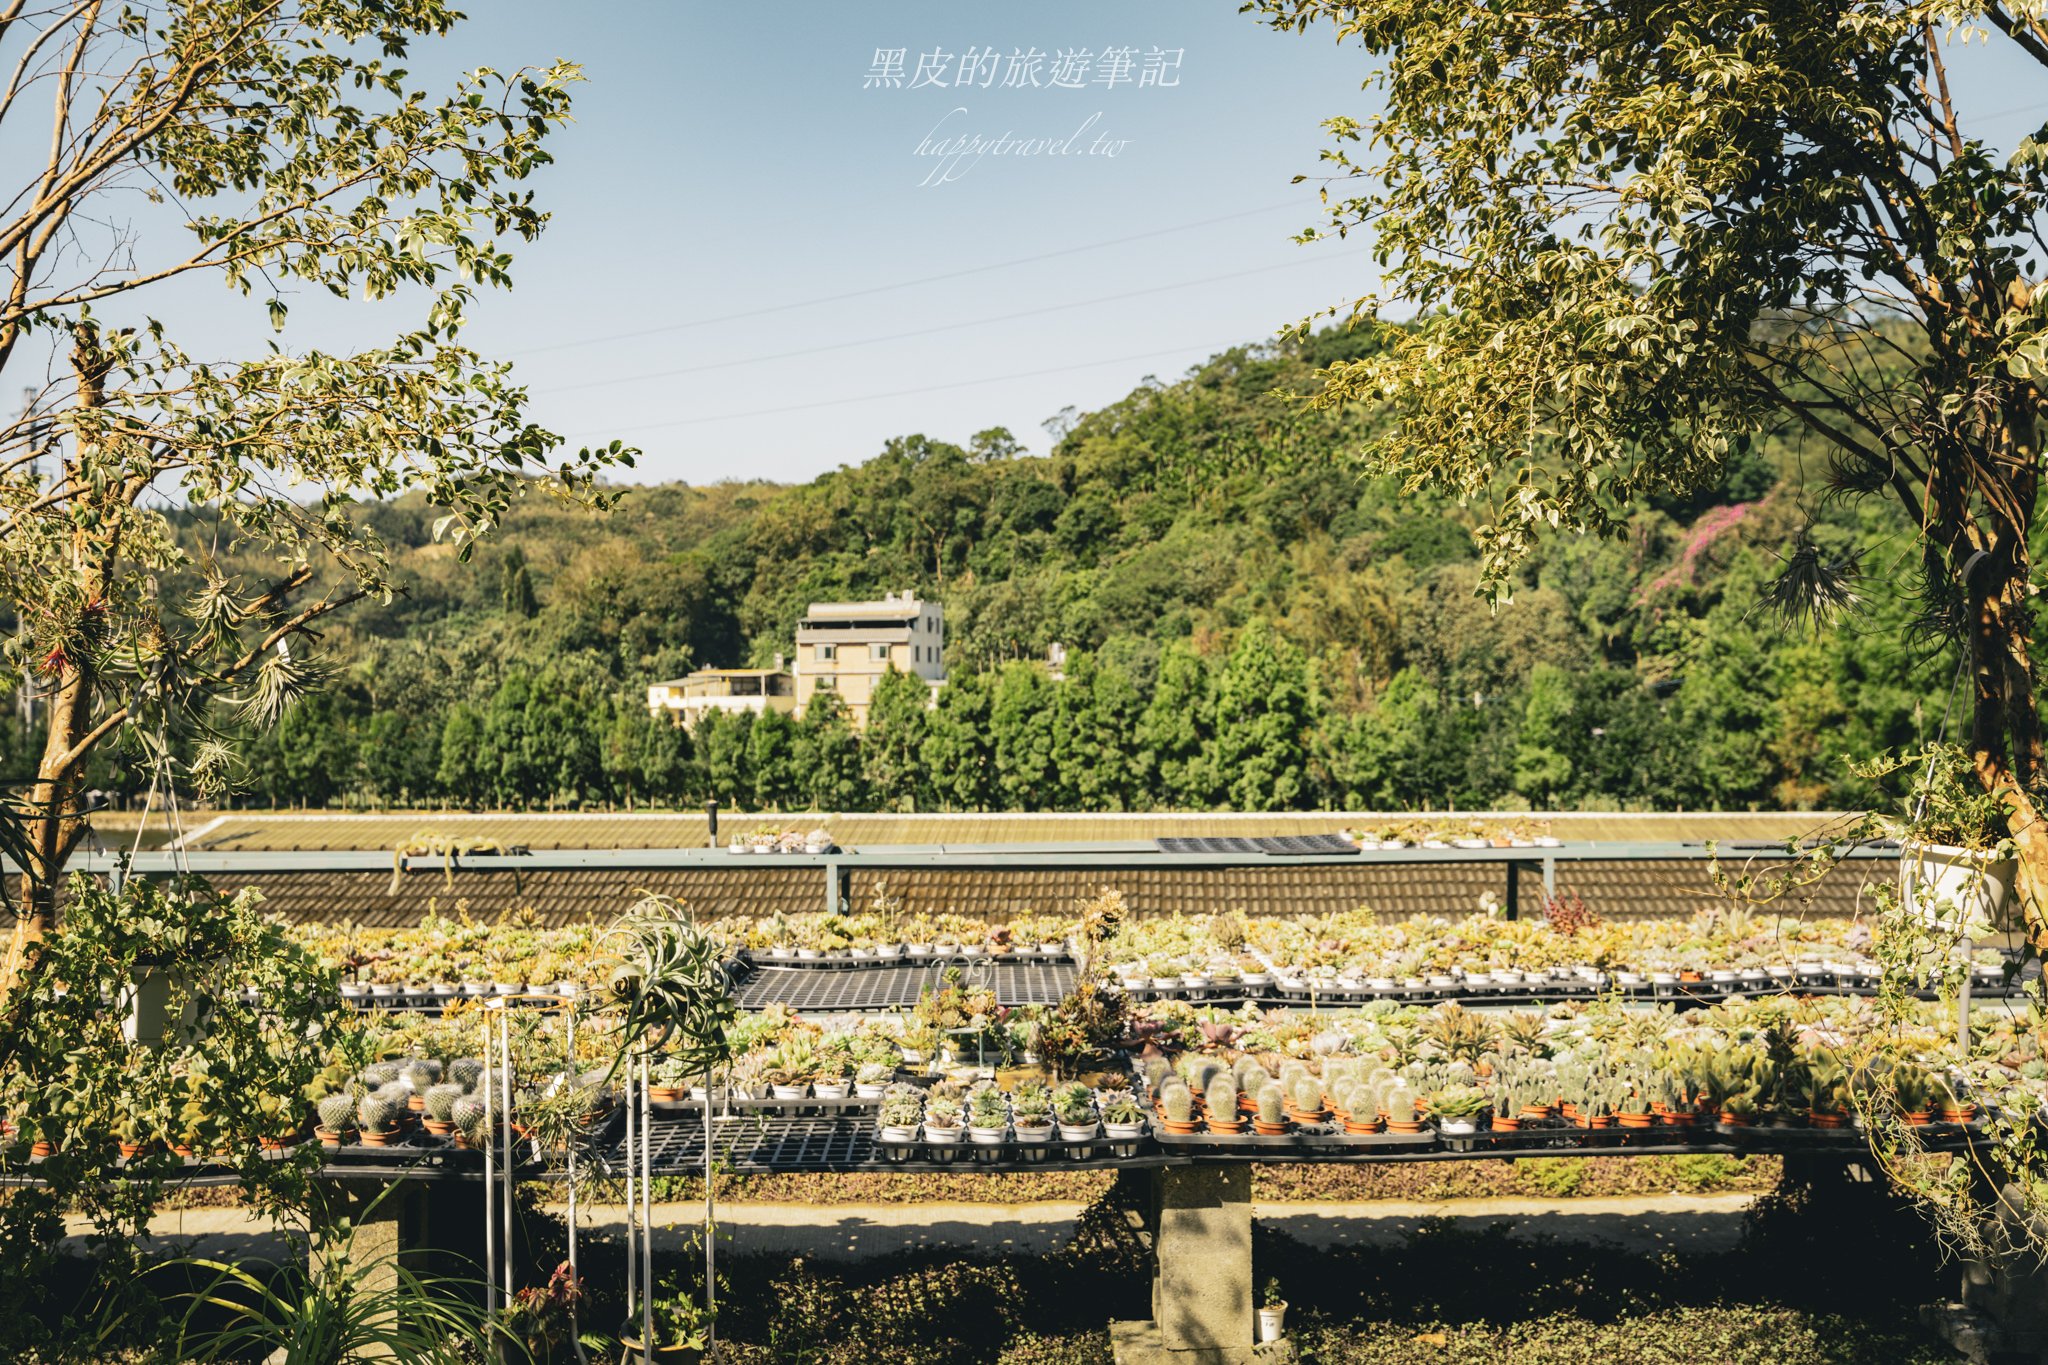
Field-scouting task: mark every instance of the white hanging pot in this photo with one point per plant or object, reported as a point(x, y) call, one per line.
point(1958, 888)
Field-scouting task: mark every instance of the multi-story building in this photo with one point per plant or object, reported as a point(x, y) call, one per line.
point(846, 647)
point(724, 689)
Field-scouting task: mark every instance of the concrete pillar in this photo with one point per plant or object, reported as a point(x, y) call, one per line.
point(391, 1229)
point(1202, 1306)
point(2002, 1318)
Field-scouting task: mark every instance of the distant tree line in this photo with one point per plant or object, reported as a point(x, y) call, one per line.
point(1246, 624)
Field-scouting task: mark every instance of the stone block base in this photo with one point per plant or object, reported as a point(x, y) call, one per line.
point(1140, 1343)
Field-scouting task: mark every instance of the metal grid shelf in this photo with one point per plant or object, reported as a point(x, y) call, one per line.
point(1042, 982)
point(762, 1143)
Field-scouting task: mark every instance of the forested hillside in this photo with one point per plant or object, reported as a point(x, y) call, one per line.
point(1248, 624)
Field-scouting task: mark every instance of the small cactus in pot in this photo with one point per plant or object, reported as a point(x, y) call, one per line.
point(378, 1117)
point(336, 1112)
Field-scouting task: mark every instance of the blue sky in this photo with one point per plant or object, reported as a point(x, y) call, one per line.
point(729, 180)
point(748, 277)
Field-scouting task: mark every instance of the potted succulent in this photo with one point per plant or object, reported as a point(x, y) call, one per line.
point(1032, 1119)
point(988, 1117)
point(942, 1123)
point(1272, 1313)
point(1456, 1109)
point(335, 1113)
point(681, 1327)
point(831, 1081)
point(1401, 1115)
point(871, 1080)
point(902, 1111)
point(377, 1118)
point(1272, 1116)
point(1074, 1109)
point(1221, 1105)
point(1123, 1122)
point(439, 1107)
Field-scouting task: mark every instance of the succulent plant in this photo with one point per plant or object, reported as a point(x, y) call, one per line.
point(465, 1112)
point(336, 1110)
point(1222, 1098)
point(423, 1076)
point(902, 1111)
point(1400, 1105)
point(466, 1072)
point(989, 1109)
point(378, 1074)
point(1308, 1094)
point(441, 1101)
point(1272, 1103)
point(376, 1114)
point(941, 1111)
point(1179, 1103)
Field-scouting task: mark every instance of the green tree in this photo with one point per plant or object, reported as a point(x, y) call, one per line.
point(1638, 239)
point(301, 154)
point(1174, 733)
point(1020, 725)
point(774, 761)
point(462, 771)
point(1543, 767)
point(724, 744)
point(1263, 722)
point(959, 750)
point(892, 757)
point(829, 756)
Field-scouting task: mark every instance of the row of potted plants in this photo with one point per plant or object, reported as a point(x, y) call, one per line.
point(775, 839)
point(994, 1123)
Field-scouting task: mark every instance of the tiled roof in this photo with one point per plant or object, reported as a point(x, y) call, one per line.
point(1615, 891)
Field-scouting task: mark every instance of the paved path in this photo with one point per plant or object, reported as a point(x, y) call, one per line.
point(1685, 1224)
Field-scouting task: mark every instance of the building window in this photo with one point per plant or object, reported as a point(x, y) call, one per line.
point(826, 684)
point(826, 653)
point(879, 653)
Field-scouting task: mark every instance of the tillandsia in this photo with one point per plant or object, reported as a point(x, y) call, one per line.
point(670, 988)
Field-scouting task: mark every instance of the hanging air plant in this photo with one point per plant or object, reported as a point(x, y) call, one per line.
point(1813, 587)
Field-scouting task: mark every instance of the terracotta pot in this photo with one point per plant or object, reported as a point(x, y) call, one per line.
point(1362, 1126)
point(1680, 1118)
point(1311, 1116)
point(1688, 975)
point(383, 1139)
point(1821, 1119)
point(1733, 1122)
point(1643, 1120)
point(130, 1150)
point(272, 1144)
point(416, 1103)
point(1265, 1129)
point(1568, 1109)
point(1958, 1113)
point(1535, 1111)
point(1919, 1118)
point(1399, 1126)
point(1226, 1125)
point(1602, 1121)
point(665, 1094)
point(438, 1127)
point(1505, 1124)
point(41, 1149)
point(182, 1150)
point(331, 1137)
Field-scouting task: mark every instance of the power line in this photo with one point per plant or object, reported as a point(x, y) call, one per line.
point(931, 331)
point(930, 388)
point(902, 284)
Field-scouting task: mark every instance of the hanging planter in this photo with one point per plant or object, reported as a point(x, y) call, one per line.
point(1970, 890)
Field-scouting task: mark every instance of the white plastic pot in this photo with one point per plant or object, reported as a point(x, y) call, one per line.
point(1958, 888)
point(1272, 1322)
